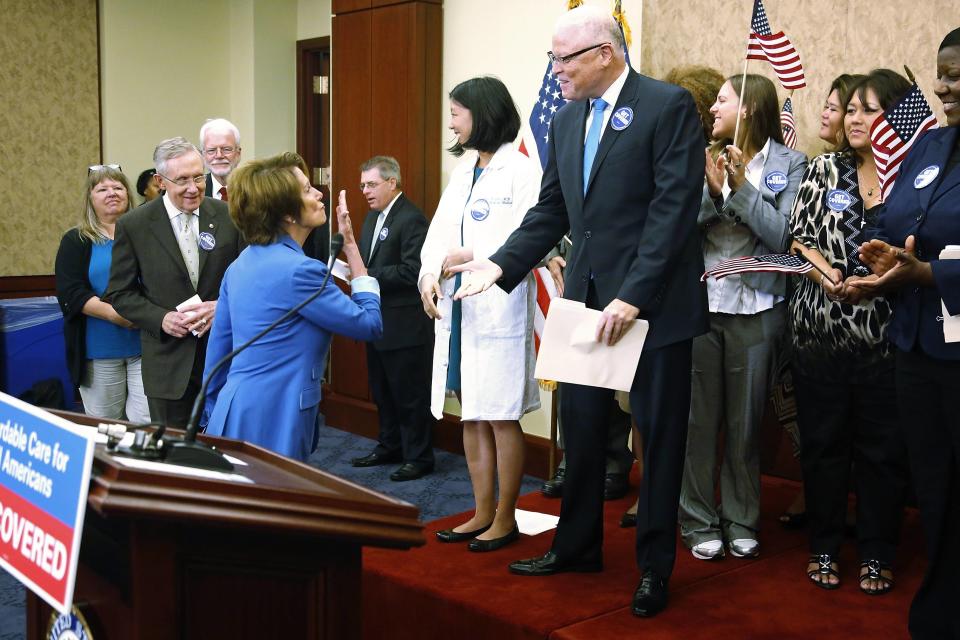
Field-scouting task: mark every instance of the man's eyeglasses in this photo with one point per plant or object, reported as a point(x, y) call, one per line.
point(212, 151)
point(182, 182)
point(554, 59)
point(101, 167)
point(370, 185)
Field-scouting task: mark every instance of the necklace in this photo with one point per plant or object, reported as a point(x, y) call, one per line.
point(870, 190)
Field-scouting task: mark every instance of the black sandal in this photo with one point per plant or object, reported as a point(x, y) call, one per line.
point(874, 569)
point(824, 570)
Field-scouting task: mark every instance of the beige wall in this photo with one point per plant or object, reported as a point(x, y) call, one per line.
point(163, 75)
point(49, 126)
point(832, 36)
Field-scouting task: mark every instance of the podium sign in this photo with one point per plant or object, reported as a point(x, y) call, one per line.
point(45, 466)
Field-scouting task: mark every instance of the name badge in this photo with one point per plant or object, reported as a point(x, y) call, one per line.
point(926, 176)
point(207, 241)
point(480, 210)
point(776, 181)
point(384, 233)
point(839, 200)
point(621, 118)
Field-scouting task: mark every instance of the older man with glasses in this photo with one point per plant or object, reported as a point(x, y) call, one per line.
point(220, 144)
point(167, 253)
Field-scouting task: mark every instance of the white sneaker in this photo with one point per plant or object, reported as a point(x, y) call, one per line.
point(744, 548)
point(709, 550)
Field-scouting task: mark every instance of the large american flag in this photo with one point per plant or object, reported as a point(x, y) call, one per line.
point(548, 103)
point(895, 131)
point(782, 262)
point(788, 124)
point(775, 48)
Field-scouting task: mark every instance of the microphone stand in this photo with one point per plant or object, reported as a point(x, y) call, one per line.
point(188, 451)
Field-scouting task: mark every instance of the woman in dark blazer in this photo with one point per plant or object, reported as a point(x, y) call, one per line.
point(919, 220)
point(270, 393)
point(103, 348)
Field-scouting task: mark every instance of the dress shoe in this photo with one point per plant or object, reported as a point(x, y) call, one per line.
point(411, 471)
point(553, 488)
point(650, 598)
point(708, 550)
point(628, 520)
point(744, 548)
point(615, 486)
point(494, 543)
point(449, 535)
point(549, 564)
point(376, 458)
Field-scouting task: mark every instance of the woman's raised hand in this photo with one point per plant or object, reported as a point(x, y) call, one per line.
point(344, 224)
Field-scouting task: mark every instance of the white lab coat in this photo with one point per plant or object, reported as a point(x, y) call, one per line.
point(497, 352)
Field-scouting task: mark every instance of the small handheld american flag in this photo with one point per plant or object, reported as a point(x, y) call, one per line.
point(895, 131)
point(789, 125)
point(782, 262)
point(776, 48)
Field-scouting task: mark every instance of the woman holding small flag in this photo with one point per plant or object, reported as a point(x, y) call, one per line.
point(749, 189)
point(842, 363)
point(918, 233)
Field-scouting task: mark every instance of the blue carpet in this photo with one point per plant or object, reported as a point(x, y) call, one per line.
point(444, 492)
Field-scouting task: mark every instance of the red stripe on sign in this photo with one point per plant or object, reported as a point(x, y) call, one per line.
point(35, 543)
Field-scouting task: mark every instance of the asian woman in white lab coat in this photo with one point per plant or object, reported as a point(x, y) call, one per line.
point(484, 344)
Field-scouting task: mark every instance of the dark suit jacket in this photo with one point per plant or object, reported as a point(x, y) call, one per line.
point(635, 232)
point(148, 279)
point(931, 214)
point(395, 264)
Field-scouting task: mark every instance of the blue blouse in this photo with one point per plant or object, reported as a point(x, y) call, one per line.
point(105, 339)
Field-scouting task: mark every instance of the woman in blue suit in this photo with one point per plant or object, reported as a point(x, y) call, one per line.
point(270, 393)
point(920, 219)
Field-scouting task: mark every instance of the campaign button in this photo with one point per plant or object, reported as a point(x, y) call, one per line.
point(839, 200)
point(384, 233)
point(776, 181)
point(926, 176)
point(207, 241)
point(621, 118)
point(480, 210)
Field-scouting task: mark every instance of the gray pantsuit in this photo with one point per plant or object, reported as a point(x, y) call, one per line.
point(731, 369)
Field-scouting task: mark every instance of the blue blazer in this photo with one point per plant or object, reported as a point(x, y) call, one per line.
point(270, 393)
point(931, 213)
point(635, 232)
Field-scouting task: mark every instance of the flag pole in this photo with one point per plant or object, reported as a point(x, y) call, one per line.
point(743, 88)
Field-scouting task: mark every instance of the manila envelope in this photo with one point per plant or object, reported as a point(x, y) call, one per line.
point(570, 353)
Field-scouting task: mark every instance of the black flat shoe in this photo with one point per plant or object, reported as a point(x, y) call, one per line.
point(820, 576)
point(650, 598)
point(449, 535)
point(793, 521)
point(494, 543)
point(549, 564)
point(628, 520)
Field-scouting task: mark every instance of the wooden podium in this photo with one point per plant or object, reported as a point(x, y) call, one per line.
point(171, 556)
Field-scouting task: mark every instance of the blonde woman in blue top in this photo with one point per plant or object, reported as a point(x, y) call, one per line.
point(103, 348)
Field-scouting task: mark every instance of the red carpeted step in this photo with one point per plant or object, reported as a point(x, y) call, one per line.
point(770, 598)
point(445, 591)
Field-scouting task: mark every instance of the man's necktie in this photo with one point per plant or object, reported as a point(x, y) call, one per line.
point(593, 140)
point(223, 194)
point(187, 240)
point(376, 233)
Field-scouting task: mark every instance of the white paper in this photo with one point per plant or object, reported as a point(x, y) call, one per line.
point(162, 467)
point(186, 303)
point(569, 351)
point(951, 324)
point(531, 523)
point(340, 270)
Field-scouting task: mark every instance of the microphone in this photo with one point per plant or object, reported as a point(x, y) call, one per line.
point(188, 451)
